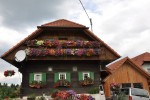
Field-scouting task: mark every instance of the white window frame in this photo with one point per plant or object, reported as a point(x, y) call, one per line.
point(40, 77)
point(88, 73)
point(62, 73)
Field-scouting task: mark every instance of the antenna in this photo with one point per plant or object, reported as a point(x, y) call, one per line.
point(90, 19)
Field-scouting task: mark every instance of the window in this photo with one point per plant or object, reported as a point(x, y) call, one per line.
point(124, 85)
point(125, 91)
point(86, 75)
point(148, 69)
point(38, 77)
point(62, 76)
point(138, 85)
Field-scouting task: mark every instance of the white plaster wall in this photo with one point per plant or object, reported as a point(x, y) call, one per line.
point(146, 66)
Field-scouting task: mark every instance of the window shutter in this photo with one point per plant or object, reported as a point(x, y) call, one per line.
point(68, 77)
point(43, 77)
point(56, 77)
point(92, 75)
point(31, 77)
point(80, 76)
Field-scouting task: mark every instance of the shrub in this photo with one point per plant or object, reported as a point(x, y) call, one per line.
point(32, 96)
point(94, 90)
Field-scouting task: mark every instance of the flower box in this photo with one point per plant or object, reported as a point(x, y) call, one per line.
point(62, 52)
point(36, 84)
point(62, 83)
point(9, 73)
point(86, 82)
point(60, 43)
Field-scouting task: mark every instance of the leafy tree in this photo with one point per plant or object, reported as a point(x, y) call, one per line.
point(11, 91)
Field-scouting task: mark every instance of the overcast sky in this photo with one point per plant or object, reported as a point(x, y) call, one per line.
point(123, 24)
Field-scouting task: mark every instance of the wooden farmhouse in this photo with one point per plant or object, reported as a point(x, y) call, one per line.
point(125, 72)
point(64, 55)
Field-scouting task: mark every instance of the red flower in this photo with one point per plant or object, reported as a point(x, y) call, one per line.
point(9, 73)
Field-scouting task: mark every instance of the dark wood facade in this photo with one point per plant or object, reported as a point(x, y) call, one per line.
point(61, 30)
point(60, 66)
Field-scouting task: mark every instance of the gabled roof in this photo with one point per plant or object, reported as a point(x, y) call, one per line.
point(20, 43)
point(63, 23)
point(115, 64)
point(112, 67)
point(140, 59)
point(60, 23)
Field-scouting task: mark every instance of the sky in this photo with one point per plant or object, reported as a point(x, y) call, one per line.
point(122, 24)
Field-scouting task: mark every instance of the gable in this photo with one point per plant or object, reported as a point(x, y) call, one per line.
point(63, 23)
point(126, 73)
point(73, 32)
point(127, 66)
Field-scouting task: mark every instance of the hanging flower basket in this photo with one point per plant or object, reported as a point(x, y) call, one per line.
point(36, 84)
point(86, 82)
point(9, 73)
point(114, 86)
point(62, 83)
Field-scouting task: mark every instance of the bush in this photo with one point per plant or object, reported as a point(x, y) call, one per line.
point(9, 91)
point(32, 97)
point(94, 90)
point(41, 98)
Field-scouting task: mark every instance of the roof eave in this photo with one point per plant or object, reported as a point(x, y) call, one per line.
point(18, 44)
point(108, 47)
point(63, 27)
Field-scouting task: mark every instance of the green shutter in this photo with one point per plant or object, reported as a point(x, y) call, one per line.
point(92, 75)
point(43, 77)
point(80, 75)
point(31, 77)
point(56, 77)
point(68, 77)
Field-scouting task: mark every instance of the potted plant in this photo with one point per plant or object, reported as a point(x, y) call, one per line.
point(9, 73)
